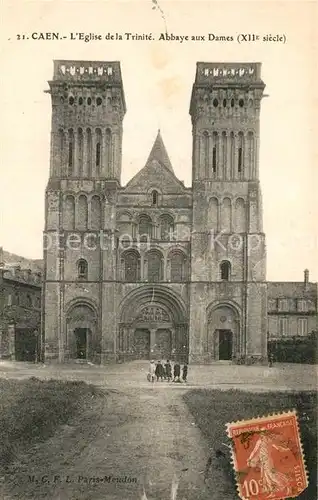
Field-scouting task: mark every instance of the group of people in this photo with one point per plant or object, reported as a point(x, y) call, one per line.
point(163, 371)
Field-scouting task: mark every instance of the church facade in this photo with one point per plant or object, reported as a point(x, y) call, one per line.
point(154, 269)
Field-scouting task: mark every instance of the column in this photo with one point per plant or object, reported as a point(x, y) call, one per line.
point(142, 267)
point(228, 167)
point(167, 276)
point(152, 341)
point(111, 168)
point(84, 135)
point(210, 159)
point(75, 159)
point(173, 342)
point(197, 163)
point(245, 157)
point(130, 339)
point(93, 155)
point(235, 160)
point(219, 157)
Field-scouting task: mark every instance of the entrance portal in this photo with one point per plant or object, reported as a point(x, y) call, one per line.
point(223, 333)
point(163, 344)
point(142, 343)
point(81, 342)
point(153, 324)
point(225, 344)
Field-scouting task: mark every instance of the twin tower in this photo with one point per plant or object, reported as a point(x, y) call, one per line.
point(154, 269)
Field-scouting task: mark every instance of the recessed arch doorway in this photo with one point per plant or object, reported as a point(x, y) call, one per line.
point(81, 339)
point(153, 324)
point(223, 332)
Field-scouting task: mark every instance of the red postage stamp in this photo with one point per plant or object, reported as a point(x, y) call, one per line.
point(268, 458)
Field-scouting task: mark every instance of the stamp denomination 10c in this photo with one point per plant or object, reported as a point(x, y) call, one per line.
point(267, 457)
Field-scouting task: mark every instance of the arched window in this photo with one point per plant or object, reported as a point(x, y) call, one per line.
point(96, 213)
point(108, 141)
point(82, 215)
point(69, 213)
point(144, 227)
point(155, 266)
point(131, 261)
point(70, 152)
point(80, 151)
point(215, 139)
point(177, 266)
point(154, 198)
point(82, 269)
point(61, 145)
point(89, 152)
point(214, 160)
point(98, 154)
point(16, 299)
point(166, 227)
point(240, 153)
point(98, 150)
point(225, 270)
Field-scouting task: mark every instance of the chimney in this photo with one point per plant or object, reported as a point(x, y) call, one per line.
point(306, 278)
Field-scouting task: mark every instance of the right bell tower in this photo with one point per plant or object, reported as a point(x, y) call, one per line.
point(228, 313)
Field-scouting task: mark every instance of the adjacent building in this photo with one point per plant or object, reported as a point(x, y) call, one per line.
point(292, 308)
point(20, 307)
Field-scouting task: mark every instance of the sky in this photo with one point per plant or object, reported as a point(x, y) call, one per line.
point(158, 78)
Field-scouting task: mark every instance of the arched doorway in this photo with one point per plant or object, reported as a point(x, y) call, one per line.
point(153, 324)
point(81, 341)
point(223, 332)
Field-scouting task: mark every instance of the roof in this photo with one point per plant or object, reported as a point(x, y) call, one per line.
point(159, 153)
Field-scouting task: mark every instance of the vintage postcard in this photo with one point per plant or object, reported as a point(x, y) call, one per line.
point(158, 250)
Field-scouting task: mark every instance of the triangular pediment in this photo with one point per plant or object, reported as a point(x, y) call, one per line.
point(158, 172)
point(159, 153)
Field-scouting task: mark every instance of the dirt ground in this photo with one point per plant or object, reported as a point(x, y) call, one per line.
point(146, 436)
point(137, 438)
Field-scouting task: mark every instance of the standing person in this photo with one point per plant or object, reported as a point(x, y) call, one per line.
point(159, 371)
point(152, 370)
point(176, 372)
point(185, 372)
point(168, 370)
point(270, 360)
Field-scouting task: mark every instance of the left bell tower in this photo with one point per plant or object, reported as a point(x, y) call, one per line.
point(88, 107)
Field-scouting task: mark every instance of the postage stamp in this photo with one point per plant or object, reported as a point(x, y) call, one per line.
point(268, 458)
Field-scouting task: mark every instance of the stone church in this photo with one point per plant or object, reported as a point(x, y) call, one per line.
point(154, 269)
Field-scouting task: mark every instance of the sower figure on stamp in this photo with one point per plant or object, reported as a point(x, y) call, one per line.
point(261, 457)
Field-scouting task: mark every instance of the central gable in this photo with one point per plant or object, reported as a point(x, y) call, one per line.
point(155, 175)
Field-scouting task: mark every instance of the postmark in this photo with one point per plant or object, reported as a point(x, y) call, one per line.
point(267, 457)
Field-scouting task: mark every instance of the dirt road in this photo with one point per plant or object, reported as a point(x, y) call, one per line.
point(141, 439)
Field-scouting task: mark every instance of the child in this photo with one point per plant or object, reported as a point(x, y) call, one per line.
point(152, 369)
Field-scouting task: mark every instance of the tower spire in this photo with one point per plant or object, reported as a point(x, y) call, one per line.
point(159, 153)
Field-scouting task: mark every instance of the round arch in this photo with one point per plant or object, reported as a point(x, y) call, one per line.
point(152, 324)
point(148, 293)
point(83, 340)
point(223, 340)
